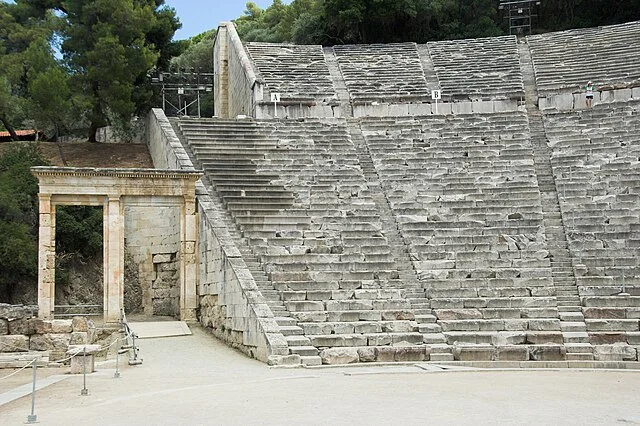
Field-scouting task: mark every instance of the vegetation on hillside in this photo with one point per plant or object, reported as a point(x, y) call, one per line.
point(18, 218)
point(332, 22)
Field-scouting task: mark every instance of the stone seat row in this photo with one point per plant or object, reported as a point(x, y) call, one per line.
point(483, 67)
point(294, 71)
point(612, 49)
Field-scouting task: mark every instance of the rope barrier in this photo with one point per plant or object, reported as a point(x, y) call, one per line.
point(76, 353)
point(19, 370)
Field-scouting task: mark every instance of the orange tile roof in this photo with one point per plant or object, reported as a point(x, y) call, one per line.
point(18, 133)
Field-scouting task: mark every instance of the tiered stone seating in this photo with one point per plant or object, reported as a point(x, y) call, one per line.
point(296, 72)
point(297, 193)
point(383, 72)
point(596, 164)
point(465, 193)
point(609, 56)
point(478, 69)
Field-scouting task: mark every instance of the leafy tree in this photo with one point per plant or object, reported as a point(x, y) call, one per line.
point(108, 48)
point(79, 230)
point(22, 41)
point(18, 218)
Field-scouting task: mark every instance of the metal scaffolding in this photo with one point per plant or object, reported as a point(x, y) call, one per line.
point(181, 91)
point(520, 14)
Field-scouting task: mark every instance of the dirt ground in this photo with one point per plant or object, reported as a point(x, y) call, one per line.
point(87, 154)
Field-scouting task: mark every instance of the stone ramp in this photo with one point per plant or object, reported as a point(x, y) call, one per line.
point(154, 329)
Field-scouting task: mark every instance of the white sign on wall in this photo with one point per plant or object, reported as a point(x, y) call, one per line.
point(436, 95)
point(275, 97)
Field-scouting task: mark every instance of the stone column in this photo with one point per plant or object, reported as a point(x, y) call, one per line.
point(188, 260)
point(113, 259)
point(46, 257)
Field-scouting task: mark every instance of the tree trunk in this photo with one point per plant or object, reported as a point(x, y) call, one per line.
point(93, 130)
point(10, 128)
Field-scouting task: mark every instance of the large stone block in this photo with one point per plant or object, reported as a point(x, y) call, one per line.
point(617, 352)
point(547, 353)
point(4, 326)
point(474, 353)
point(20, 326)
point(61, 326)
point(512, 353)
point(293, 359)
point(14, 343)
point(410, 353)
point(333, 356)
point(385, 354)
point(605, 338)
point(544, 337)
point(367, 354)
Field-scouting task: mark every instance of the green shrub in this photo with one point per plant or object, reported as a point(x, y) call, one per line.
point(18, 218)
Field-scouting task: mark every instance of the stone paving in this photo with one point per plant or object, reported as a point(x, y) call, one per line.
point(197, 380)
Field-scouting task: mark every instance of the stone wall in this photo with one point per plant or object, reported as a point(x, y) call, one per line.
point(569, 100)
point(231, 305)
point(237, 85)
point(152, 238)
point(229, 301)
point(22, 331)
point(381, 109)
point(164, 146)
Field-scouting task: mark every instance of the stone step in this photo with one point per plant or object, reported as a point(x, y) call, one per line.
point(578, 356)
point(304, 350)
point(368, 339)
point(291, 330)
point(429, 328)
point(296, 341)
point(579, 347)
point(285, 321)
point(575, 337)
point(570, 308)
point(425, 318)
point(311, 360)
point(573, 326)
point(441, 357)
point(571, 316)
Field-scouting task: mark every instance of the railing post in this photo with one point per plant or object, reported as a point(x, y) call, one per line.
point(84, 391)
point(33, 418)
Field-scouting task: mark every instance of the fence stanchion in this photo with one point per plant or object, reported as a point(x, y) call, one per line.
point(116, 375)
point(84, 391)
point(33, 418)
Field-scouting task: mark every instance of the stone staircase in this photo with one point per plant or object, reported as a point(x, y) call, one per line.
point(572, 321)
point(215, 162)
point(338, 83)
point(420, 306)
point(310, 233)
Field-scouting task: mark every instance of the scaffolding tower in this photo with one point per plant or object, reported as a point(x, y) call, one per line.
point(520, 14)
point(181, 91)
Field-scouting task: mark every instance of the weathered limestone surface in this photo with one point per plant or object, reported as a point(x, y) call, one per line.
point(478, 69)
point(302, 206)
point(296, 72)
point(596, 159)
point(226, 293)
point(565, 61)
point(237, 87)
point(383, 72)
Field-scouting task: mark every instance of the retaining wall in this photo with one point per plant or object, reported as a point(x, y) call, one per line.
point(230, 304)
